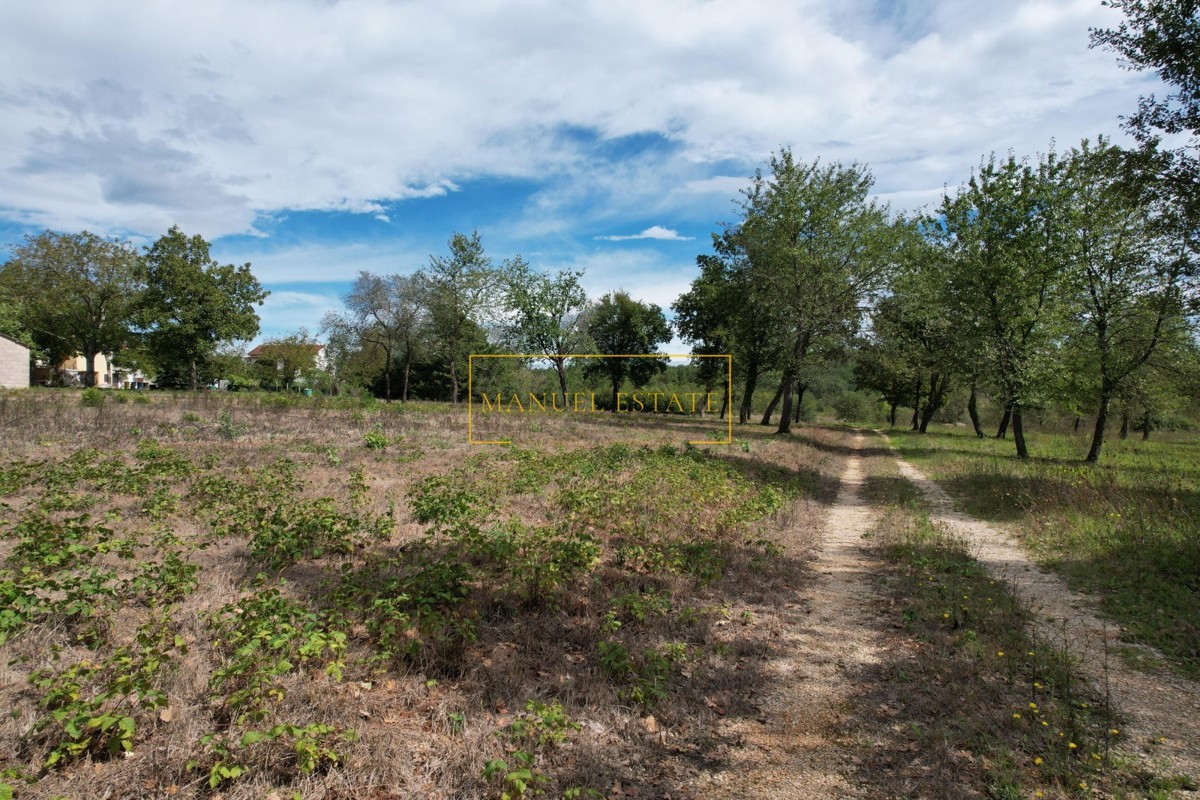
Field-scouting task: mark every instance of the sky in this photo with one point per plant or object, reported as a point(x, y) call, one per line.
point(316, 139)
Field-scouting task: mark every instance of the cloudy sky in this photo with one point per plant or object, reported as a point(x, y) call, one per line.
point(316, 139)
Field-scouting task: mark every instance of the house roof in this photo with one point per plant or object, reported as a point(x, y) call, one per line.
point(259, 351)
point(14, 341)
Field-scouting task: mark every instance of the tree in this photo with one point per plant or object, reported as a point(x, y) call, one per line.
point(291, 359)
point(192, 305)
point(546, 313)
point(1164, 36)
point(75, 293)
point(1003, 242)
point(622, 326)
point(1128, 267)
point(722, 314)
point(384, 314)
point(818, 249)
point(457, 289)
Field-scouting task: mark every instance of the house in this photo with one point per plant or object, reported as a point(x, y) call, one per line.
point(261, 352)
point(73, 371)
point(14, 364)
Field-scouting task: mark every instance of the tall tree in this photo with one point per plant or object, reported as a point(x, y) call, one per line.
point(546, 313)
point(622, 326)
point(1163, 36)
point(76, 293)
point(1129, 267)
point(819, 248)
point(192, 305)
point(458, 289)
point(722, 313)
point(1003, 240)
point(386, 314)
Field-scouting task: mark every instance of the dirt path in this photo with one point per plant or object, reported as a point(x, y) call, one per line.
point(1158, 705)
point(795, 750)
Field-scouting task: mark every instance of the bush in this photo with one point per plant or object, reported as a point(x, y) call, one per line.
point(92, 398)
point(855, 407)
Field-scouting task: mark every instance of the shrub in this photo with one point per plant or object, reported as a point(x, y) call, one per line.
point(92, 398)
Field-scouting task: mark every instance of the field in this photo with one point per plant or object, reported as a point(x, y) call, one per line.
point(1126, 531)
point(216, 594)
point(260, 596)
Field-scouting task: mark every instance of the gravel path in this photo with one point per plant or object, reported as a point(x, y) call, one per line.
point(1156, 706)
point(796, 750)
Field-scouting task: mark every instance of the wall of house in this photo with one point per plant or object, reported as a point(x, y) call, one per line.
point(14, 364)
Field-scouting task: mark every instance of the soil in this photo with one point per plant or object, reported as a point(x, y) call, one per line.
point(797, 749)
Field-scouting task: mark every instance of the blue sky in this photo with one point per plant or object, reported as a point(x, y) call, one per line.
point(316, 139)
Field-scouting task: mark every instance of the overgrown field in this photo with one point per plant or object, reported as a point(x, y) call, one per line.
point(1126, 531)
point(205, 595)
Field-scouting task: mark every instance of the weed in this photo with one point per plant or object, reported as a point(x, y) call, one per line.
point(92, 398)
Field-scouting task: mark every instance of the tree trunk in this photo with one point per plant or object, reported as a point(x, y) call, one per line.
point(785, 411)
point(938, 383)
point(404, 387)
point(454, 382)
point(387, 376)
point(89, 376)
point(193, 375)
point(748, 398)
point(1003, 431)
point(560, 368)
point(973, 410)
point(1019, 432)
point(800, 389)
point(1075, 427)
point(916, 420)
point(892, 414)
point(616, 386)
point(1098, 433)
point(1146, 426)
point(766, 420)
point(1124, 425)
point(724, 402)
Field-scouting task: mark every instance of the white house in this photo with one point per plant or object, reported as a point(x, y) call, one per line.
point(14, 364)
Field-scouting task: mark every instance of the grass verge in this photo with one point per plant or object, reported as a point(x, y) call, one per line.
point(1126, 530)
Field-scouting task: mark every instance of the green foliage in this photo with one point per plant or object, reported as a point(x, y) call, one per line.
point(620, 325)
point(191, 305)
point(547, 312)
point(75, 292)
point(646, 677)
point(92, 708)
point(375, 439)
point(456, 290)
point(226, 429)
point(310, 529)
point(310, 747)
point(263, 637)
point(92, 398)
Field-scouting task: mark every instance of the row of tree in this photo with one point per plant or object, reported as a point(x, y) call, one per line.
point(1069, 280)
point(168, 306)
point(463, 304)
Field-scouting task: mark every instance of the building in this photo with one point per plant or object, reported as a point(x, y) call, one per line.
point(73, 372)
point(14, 364)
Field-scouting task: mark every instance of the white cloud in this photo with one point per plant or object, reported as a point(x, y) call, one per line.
point(653, 232)
point(228, 111)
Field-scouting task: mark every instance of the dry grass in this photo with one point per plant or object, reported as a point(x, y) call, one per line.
point(426, 724)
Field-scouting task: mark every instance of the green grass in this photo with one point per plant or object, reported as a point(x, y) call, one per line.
point(1126, 530)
